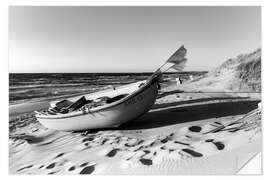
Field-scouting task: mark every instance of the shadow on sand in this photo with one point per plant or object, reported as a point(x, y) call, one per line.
point(190, 113)
point(177, 115)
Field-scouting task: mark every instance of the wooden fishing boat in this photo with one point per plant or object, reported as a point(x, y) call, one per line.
point(138, 100)
point(115, 106)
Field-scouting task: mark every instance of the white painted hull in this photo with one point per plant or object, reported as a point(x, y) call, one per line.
point(129, 108)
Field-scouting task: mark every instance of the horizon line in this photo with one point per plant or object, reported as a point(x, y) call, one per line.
point(98, 72)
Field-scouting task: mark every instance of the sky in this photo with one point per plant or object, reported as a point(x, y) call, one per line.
point(127, 39)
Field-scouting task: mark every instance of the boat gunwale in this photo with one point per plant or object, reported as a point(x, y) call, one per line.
point(81, 113)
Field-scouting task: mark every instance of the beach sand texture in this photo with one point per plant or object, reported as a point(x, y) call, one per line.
point(193, 136)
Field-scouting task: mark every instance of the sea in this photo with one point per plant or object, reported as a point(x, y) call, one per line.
point(25, 87)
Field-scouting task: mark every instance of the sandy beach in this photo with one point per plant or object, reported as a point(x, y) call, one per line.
point(183, 133)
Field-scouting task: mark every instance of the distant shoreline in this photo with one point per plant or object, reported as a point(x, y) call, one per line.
point(107, 73)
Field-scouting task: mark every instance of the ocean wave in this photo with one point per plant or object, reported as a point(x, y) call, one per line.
point(45, 85)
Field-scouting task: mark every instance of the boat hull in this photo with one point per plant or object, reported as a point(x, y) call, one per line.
point(134, 106)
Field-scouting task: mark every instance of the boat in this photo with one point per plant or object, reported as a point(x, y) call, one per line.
point(104, 109)
point(138, 100)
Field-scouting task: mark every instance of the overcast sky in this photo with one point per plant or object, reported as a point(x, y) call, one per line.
point(127, 39)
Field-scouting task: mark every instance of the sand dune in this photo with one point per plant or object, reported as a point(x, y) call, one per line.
point(236, 75)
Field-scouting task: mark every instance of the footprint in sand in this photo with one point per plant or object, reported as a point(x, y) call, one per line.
point(51, 166)
point(147, 162)
point(182, 143)
point(193, 153)
point(195, 129)
point(72, 168)
point(26, 167)
point(88, 169)
point(88, 139)
point(59, 155)
point(112, 153)
point(218, 144)
point(209, 140)
point(84, 164)
point(54, 172)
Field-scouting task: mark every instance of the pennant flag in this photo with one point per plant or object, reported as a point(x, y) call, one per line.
point(178, 55)
point(179, 66)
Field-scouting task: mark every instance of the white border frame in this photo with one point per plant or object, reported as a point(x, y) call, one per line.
point(4, 65)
